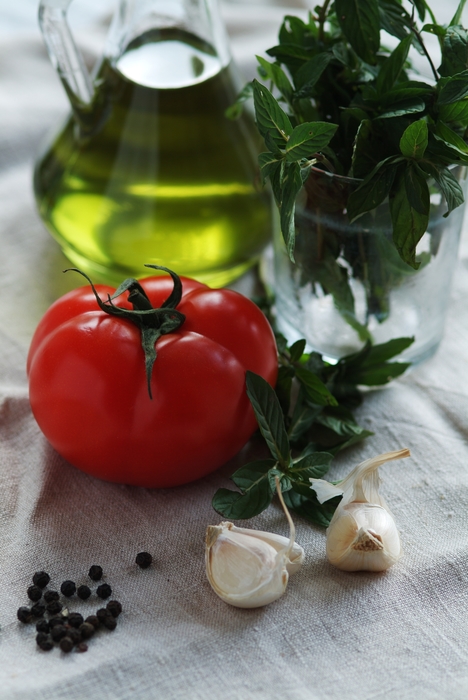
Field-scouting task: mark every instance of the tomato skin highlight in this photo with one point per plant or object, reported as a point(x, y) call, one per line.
point(88, 388)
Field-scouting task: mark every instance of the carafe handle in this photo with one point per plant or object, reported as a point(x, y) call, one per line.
point(63, 52)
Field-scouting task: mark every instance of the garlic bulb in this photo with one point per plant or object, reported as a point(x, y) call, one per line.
point(362, 535)
point(250, 568)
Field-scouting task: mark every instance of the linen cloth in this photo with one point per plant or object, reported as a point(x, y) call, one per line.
point(397, 635)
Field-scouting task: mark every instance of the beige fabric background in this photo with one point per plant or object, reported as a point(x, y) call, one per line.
point(395, 636)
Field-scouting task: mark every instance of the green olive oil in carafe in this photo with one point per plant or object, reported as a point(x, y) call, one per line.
point(154, 172)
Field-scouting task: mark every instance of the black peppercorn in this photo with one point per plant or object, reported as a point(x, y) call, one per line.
point(54, 607)
point(46, 645)
point(74, 634)
point(41, 637)
point(41, 579)
point(95, 572)
point(86, 630)
point(82, 647)
point(57, 620)
point(43, 626)
point(114, 607)
point(83, 592)
point(68, 588)
point(49, 596)
point(24, 614)
point(110, 622)
point(144, 559)
point(93, 620)
point(75, 619)
point(38, 609)
point(58, 632)
point(102, 613)
point(66, 644)
point(34, 593)
point(104, 591)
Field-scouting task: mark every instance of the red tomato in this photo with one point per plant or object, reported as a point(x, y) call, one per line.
point(88, 387)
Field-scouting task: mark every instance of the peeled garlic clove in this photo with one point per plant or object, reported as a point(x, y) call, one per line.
point(362, 535)
point(278, 542)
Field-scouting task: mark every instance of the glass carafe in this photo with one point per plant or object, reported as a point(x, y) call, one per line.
point(147, 168)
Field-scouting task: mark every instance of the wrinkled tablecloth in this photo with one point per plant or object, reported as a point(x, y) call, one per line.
point(394, 636)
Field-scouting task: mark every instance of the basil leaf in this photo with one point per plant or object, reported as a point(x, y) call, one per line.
point(414, 141)
point(235, 110)
point(291, 185)
point(394, 19)
point(302, 420)
point(314, 466)
point(269, 416)
point(393, 66)
point(315, 388)
point(372, 192)
point(449, 186)
point(409, 225)
point(268, 162)
point(360, 23)
point(417, 189)
point(307, 139)
point(458, 14)
point(454, 51)
point(297, 350)
point(453, 89)
point(451, 137)
point(239, 506)
point(308, 75)
point(269, 115)
point(309, 508)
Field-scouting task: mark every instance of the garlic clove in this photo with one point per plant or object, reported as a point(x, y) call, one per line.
point(363, 538)
point(250, 568)
point(362, 535)
point(244, 571)
point(296, 556)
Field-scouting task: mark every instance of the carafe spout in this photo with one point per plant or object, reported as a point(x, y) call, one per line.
point(64, 54)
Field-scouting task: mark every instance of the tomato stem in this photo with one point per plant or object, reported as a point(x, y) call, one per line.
point(153, 323)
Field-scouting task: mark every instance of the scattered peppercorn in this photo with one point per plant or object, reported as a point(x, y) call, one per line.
point(38, 609)
point(114, 607)
point(102, 613)
point(93, 620)
point(49, 596)
point(41, 637)
point(54, 607)
point(74, 634)
point(82, 647)
point(144, 559)
point(41, 579)
point(58, 632)
point(75, 619)
point(43, 626)
point(83, 592)
point(66, 645)
point(104, 591)
point(68, 588)
point(34, 593)
point(86, 630)
point(95, 572)
point(24, 614)
point(46, 645)
point(56, 620)
point(110, 622)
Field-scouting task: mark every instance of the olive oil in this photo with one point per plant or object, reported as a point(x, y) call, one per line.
point(153, 172)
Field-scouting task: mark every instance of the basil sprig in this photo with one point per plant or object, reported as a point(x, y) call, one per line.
point(341, 101)
point(303, 438)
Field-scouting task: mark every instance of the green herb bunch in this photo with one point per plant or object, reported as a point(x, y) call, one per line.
point(342, 103)
point(305, 423)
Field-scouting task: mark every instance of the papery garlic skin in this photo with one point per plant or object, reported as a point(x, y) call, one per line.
point(249, 568)
point(362, 535)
